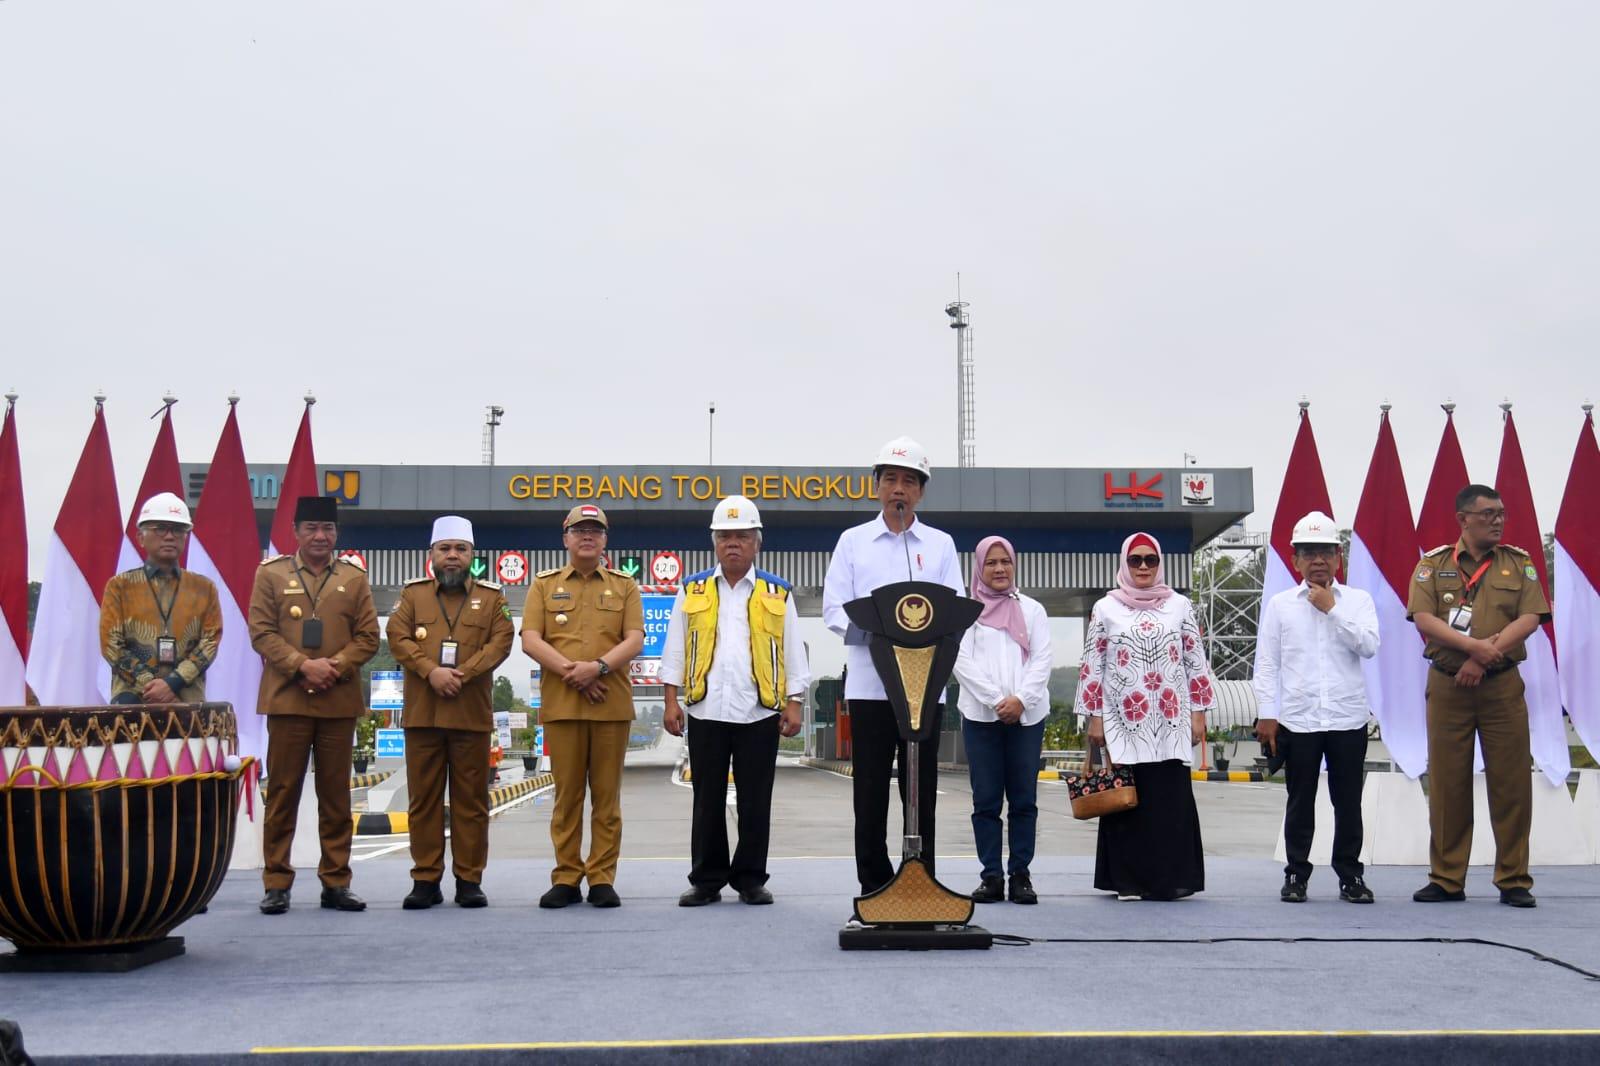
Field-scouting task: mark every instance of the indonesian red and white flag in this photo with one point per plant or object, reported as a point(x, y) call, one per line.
point(226, 547)
point(161, 474)
point(1383, 558)
point(13, 569)
point(65, 665)
point(1436, 522)
point(1304, 490)
point(299, 479)
point(1547, 731)
point(1577, 588)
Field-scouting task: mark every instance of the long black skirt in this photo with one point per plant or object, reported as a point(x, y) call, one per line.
point(1154, 850)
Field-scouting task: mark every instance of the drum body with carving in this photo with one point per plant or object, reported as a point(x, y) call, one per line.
point(116, 823)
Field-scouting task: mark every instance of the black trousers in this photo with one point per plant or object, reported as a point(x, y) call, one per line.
point(1346, 752)
point(875, 746)
point(752, 750)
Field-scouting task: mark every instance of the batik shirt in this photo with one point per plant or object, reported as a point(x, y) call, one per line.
point(1143, 673)
point(131, 628)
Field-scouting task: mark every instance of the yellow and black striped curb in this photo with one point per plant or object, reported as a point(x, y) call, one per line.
point(356, 781)
point(1226, 775)
point(838, 766)
point(389, 823)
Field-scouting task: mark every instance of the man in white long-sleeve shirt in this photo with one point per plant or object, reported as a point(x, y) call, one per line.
point(1313, 705)
point(733, 652)
point(894, 546)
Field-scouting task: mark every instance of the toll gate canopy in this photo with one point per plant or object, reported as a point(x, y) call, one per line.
point(1067, 524)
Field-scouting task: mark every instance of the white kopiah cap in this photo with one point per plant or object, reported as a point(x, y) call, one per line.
point(451, 527)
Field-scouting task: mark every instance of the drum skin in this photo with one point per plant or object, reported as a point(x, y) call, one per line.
point(116, 823)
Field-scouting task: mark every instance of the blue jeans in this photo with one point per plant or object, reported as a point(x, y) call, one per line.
point(1003, 761)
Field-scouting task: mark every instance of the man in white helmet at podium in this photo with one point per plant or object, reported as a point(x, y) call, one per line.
point(733, 653)
point(893, 546)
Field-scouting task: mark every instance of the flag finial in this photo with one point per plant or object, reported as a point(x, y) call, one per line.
point(1588, 407)
point(233, 399)
point(11, 399)
point(100, 400)
point(1505, 406)
point(1385, 406)
point(166, 404)
point(310, 398)
point(1448, 407)
point(1304, 404)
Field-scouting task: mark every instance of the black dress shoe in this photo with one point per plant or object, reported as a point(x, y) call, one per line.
point(755, 896)
point(560, 896)
point(342, 899)
point(697, 896)
point(1517, 897)
point(424, 894)
point(276, 901)
point(991, 890)
point(604, 896)
point(1432, 892)
point(470, 894)
point(1022, 889)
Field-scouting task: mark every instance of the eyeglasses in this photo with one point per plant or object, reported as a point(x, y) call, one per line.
point(165, 529)
point(1489, 514)
point(1316, 551)
point(587, 531)
point(1136, 562)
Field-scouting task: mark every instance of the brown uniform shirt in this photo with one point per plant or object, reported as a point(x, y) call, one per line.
point(583, 618)
point(1508, 589)
point(483, 631)
point(280, 605)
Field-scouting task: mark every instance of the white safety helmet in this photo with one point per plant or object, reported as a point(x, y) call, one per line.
point(735, 512)
point(1315, 528)
point(165, 507)
point(905, 453)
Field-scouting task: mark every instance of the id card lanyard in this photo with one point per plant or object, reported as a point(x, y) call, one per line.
point(1471, 583)
point(450, 650)
point(311, 628)
point(166, 645)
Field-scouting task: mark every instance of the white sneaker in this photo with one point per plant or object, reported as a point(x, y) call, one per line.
point(1127, 899)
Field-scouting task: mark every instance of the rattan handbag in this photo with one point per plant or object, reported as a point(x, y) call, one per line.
point(1103, 790)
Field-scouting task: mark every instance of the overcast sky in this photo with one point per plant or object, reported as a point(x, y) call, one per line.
point(1171, 220)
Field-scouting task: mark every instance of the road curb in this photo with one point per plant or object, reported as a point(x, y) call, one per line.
point(368, 780)
point(1226, 775)
point(391, 823)
point(831, 765)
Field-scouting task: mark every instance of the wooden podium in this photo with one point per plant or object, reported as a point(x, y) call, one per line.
point(914, 631)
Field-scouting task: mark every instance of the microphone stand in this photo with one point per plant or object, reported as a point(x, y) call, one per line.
point(911, 848)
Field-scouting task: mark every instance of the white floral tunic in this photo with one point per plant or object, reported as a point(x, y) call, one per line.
point(1144, 672)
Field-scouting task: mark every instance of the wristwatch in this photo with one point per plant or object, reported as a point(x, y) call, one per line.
point(605, 668)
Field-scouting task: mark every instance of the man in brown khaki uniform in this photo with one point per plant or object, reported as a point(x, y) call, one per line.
point(1475, 602)
point(448, 633)
point(313, 623)
point(583, 624)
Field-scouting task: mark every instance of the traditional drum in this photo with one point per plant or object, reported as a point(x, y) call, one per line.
point(116, 824)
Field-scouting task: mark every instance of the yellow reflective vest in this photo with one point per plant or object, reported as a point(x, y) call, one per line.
point(768, 604)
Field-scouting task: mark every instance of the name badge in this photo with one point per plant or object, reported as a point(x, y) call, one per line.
point(311, 633)
point(166, 651)
point(448, 653)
